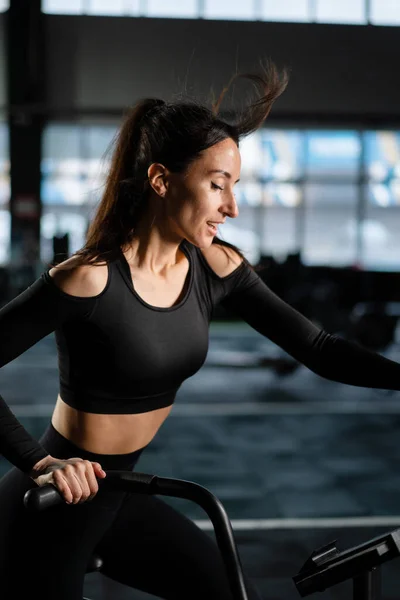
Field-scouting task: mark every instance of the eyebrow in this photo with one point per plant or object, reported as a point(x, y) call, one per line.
point(228, 175)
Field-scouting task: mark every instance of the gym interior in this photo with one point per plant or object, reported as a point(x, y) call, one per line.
point(298, 461)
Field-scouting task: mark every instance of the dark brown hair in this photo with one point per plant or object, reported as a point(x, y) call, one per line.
point(173, 134)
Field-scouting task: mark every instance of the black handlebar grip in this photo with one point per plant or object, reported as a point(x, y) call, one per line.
point(40, 498)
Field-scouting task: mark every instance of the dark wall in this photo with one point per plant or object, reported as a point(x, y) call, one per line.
point(100, 62)
point(3, 74)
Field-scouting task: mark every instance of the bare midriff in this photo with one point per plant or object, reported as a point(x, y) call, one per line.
point(107, 434)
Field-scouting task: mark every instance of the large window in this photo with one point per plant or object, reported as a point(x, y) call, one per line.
point(330, 219)
point(236, 9)
point(172, 8)
point(333, 195)
point(63, 7)
point(380, 234)
point(73, 168)
point(358, 12)
point(307, 185)
point(267, 195)
point(385, 12)
point(341, 11)
point(332, 165)
point(289, 10)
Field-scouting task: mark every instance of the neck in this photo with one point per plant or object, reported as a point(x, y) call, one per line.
point(154, 250)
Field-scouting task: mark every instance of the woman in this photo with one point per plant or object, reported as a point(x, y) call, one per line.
point(131, 312)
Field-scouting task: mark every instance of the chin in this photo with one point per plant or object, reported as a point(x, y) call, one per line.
point(207, 241)
point(201, 240)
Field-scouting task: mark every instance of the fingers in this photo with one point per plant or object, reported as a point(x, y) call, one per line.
point(61, 484)
point(98, 470)
point(77, 480)
point(93, 486)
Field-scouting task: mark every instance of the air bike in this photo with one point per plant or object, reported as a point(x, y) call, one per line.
point(326, 567)
point(40, 498)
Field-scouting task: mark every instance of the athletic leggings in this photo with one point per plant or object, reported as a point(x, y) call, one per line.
point(145, 543)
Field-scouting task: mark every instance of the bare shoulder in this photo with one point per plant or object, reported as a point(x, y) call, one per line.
point(80, 280)
point(222, 259)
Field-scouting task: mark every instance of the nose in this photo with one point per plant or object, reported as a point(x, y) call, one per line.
point(231, 207)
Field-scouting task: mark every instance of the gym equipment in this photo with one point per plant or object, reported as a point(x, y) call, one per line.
point(43, 497)
point(327, 566)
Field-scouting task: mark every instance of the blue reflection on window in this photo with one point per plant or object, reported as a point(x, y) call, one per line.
point(249, 193)
point(333, 153)
point(282, 155)
point(287, 195)
point(74, 162)
point(382, 154)
point(384, 194)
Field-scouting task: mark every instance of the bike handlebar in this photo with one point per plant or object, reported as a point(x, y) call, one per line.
point(40, 498)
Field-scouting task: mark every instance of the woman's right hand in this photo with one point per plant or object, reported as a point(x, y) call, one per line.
point(75, 478)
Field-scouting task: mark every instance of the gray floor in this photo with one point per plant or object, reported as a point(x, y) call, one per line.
point(311, 460)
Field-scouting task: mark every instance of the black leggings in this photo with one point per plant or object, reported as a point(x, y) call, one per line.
point(145, 543)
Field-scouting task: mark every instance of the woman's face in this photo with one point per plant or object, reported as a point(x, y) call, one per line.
point(204, 193)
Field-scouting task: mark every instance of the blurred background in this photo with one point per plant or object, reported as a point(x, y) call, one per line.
point(298, 461)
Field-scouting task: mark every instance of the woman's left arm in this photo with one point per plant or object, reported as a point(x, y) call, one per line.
point(327, 355)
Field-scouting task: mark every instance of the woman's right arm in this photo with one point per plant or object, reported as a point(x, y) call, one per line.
point(25, 320)
point(28, 318)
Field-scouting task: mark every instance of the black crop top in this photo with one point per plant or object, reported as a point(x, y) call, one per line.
point(119, 355)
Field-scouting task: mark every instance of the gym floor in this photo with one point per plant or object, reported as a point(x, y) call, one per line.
point(298, 461)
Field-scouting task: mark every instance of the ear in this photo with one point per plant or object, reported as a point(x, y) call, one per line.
point(158, 178)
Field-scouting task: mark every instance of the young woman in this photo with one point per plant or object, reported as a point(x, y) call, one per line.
point(131, 312)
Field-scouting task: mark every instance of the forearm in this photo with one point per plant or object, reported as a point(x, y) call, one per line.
point(347, 362)
point(327, 355)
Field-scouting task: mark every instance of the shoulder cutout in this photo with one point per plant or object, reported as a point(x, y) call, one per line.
point(83, 281)
point(222, 259)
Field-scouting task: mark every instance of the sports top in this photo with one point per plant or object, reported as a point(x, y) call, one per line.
point(117, 354)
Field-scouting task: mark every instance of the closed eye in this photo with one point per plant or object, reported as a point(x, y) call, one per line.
point(215, 186)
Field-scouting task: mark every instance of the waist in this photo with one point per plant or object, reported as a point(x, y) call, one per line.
point(60, 447)
point(107, 433)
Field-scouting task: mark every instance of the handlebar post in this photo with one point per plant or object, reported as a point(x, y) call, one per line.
point(367, 586)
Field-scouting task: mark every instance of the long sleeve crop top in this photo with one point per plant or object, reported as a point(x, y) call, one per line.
point(117, 354)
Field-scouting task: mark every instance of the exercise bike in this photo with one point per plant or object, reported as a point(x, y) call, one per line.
point(43, 497)
point(326, 566)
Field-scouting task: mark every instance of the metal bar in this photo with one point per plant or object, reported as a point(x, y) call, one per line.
point(368, 585)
